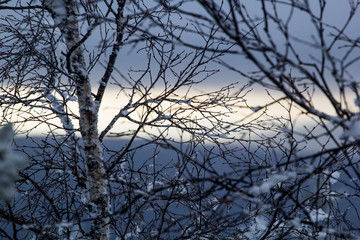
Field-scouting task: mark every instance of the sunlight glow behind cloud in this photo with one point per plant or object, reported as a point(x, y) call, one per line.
point(255, 104)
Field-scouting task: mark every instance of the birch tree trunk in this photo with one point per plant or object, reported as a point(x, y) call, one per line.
point(170, 155)
point(97, 184)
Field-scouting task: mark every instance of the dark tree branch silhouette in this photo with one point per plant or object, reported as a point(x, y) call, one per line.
point(161, 159)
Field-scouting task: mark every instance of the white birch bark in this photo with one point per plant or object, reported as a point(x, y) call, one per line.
point(65, 14)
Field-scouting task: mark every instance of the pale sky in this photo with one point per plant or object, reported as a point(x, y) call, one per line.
point(336, 15)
